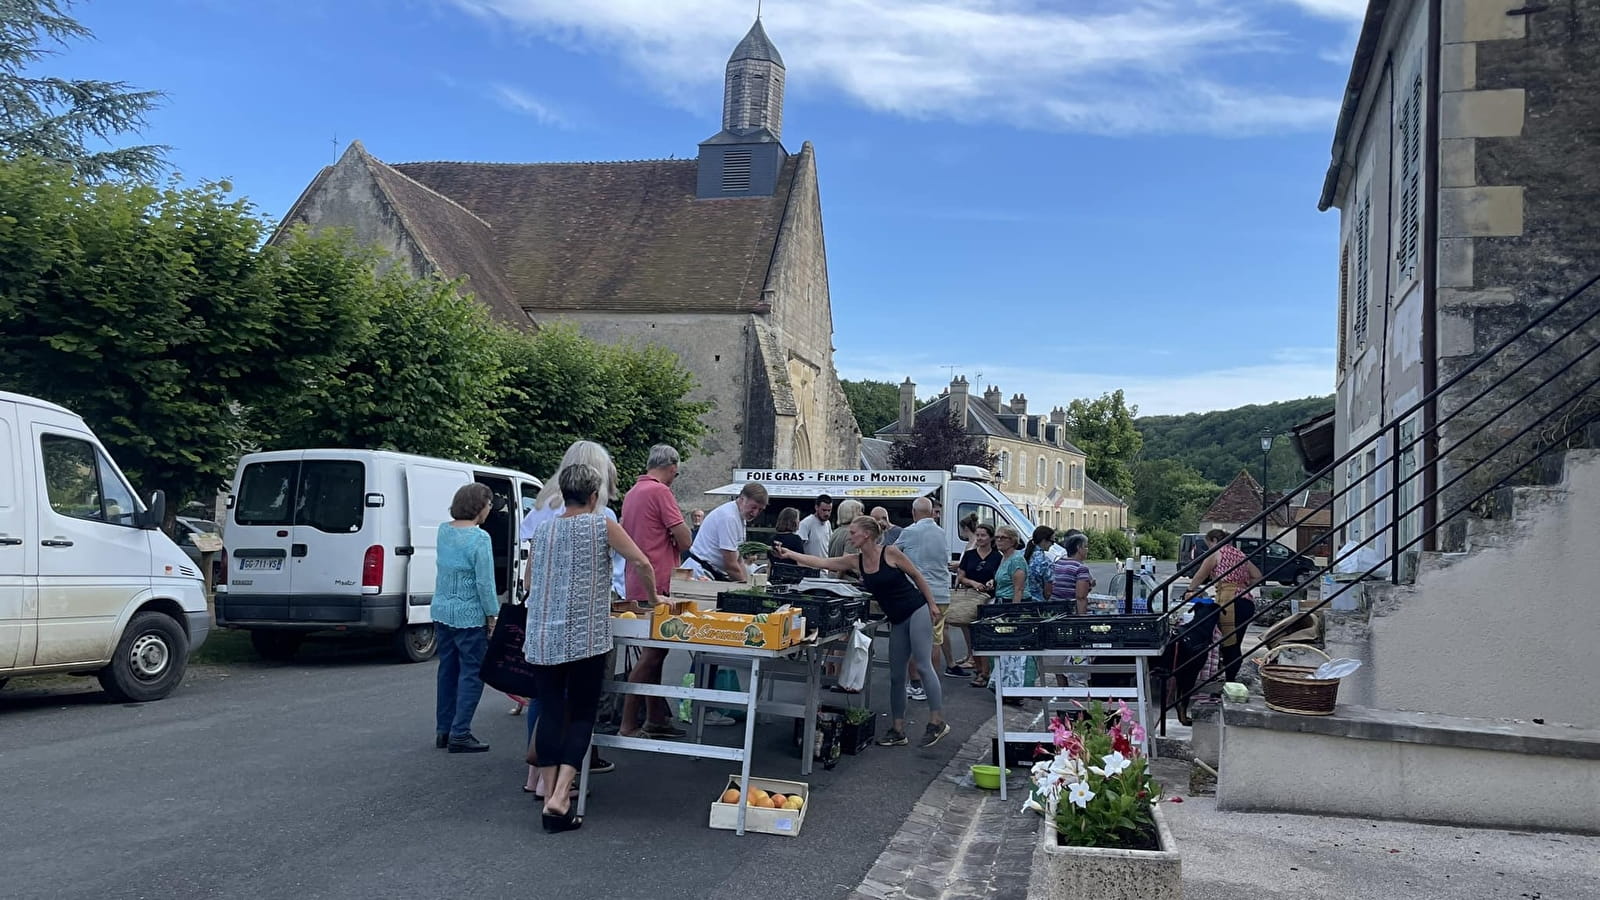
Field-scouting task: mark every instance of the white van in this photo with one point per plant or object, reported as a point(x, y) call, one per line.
point(88, 582)
point(345, 541)
point(964, 491)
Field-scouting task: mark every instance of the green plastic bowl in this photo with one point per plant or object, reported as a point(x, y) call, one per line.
point(987, 777)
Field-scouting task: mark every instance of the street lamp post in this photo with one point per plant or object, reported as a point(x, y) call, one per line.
point(1266, 448)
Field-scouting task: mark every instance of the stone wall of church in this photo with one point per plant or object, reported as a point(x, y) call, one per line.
point(716, 349)
point(348, 198)
point(797, 290)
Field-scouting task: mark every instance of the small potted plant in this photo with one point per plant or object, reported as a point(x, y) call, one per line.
point(1105, 836)
point(860, 727)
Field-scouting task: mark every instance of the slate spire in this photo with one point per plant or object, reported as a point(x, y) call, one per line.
point(752, 96)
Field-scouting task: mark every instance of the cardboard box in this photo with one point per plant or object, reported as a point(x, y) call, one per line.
point(634, 628)
point(785, 822)
point(685, 621)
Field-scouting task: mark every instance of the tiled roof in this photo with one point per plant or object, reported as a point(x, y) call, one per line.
point(1240, 502)
point(980, 420)
point(620, 236)
point(875, 454)
point(1096, 495)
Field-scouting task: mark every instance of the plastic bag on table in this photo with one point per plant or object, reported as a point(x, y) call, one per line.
point(857, 660)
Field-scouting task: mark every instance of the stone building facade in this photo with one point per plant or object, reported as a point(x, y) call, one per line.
point(719, 258)
point(1466, 172)
point(1039, 468)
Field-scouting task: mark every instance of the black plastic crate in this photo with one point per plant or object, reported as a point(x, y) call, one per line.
point(825, 614)
point(1008, 632)
point(855, 610)
point(1106, 633)
point(789, 573)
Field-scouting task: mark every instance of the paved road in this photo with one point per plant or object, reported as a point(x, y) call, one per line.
point(319, 779)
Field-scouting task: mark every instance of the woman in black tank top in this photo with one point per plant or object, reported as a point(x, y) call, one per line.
point(903, 595)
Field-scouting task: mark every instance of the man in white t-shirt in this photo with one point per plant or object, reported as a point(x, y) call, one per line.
point(715, 551)
point(817, 528)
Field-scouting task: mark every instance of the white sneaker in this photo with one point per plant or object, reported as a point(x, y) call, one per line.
point(715, 718)
point(916, 693)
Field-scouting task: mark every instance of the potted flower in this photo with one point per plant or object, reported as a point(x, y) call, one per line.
point(1105, 838)
point(860, 726)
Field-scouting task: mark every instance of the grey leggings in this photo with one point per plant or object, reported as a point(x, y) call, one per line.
point(913, 637)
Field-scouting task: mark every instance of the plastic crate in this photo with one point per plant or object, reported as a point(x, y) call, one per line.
point(1008, 632)
point(825, 614)
point(1106, 633)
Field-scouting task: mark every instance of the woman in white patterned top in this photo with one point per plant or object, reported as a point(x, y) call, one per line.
point(569, 631)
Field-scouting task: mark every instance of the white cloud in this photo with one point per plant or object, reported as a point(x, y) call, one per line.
point(1349, 10)
point(1095, 66)
point(518, 100)
point(1287, 374)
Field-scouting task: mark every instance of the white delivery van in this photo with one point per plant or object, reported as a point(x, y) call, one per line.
point(88, 582)
point(964, 491)
point(344, 541)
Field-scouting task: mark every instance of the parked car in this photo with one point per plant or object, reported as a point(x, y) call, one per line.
point(88, 582)
point(343, 541)
point(1296, 567)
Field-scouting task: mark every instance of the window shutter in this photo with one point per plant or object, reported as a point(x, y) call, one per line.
point(736, 171)
point(1344, 303)
point(1408, 230)
point(1363, 267)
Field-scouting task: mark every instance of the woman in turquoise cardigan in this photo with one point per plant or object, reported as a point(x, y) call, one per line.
point(464, 608)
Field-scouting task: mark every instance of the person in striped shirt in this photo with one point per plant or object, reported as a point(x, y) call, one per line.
point(1072, 580)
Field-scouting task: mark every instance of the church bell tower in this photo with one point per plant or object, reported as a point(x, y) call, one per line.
point(743, 159)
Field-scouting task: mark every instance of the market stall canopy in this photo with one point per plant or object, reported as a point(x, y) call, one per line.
point(808, 484)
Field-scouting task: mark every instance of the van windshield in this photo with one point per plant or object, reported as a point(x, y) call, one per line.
point(1020, 519)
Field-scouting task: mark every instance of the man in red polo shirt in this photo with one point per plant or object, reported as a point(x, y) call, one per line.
point(650, 515)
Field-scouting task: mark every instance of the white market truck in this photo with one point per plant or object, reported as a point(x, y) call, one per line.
point(964, 491)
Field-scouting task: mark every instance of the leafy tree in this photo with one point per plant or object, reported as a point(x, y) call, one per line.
point(1220, 443)
point(1103, 428)
point(564, 387)
point(152, 313)
point(422, 375)
point(1169, 495)
point(57, 118)
point(938, 442)
point(874, 403)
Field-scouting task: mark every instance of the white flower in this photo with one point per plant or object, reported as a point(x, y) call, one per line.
point(1115, 763)
point(1032, 805)
point(1079, 793)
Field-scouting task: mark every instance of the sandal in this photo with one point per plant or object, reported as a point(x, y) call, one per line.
point(982, 681)
point(556, 823)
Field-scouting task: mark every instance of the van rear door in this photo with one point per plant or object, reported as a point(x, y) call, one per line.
point(429, 491)
point(332, 538)
point(18, 601)
point(258, 536)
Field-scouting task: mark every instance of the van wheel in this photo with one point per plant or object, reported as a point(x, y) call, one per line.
point(416, 643)
point(149, 660)
point(279, 646)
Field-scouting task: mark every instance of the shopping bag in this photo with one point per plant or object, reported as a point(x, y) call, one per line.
point(857, 659)
point(504, 667)
point(728, 680)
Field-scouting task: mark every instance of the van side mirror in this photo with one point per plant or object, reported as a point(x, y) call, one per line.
point(155, 512)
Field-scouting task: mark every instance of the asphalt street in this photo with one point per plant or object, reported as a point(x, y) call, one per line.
point(319, 779)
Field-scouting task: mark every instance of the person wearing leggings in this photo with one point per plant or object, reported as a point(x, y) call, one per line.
point(905, 598)
point(569, 632)
point(1226, 565)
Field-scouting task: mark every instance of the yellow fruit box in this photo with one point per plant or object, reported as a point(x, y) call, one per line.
point(761, 820)
point(685, 621)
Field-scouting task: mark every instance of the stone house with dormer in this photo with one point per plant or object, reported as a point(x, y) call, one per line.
point(719, 258)
point(1039, 468)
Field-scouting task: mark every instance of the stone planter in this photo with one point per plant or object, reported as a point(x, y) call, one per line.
point(1090, 873)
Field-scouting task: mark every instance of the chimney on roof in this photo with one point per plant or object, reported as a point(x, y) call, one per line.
point(908, 406)
point(958, 400)
point(991, 397)
point(1058, 416)
point(1019, 404)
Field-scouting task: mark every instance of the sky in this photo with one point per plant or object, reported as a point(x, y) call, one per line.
point(1058, 197)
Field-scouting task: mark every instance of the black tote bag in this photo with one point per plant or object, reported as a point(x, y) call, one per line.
point(504, 666)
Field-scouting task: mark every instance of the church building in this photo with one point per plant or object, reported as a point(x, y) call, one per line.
point(719, 258)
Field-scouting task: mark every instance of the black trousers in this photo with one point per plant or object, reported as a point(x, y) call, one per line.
point(569, 696)
point(1187, 670)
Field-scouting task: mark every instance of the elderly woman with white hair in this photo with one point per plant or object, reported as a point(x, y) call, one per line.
point(839, 542)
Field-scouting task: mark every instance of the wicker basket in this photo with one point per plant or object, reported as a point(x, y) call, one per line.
point(1291, 689)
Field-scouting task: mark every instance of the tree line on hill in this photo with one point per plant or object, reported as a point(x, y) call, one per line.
point(1168, 468)
point(164, 317)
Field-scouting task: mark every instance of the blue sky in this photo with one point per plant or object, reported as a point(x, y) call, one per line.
point(1066, 196)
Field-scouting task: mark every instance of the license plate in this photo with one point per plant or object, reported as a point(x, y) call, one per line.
point(264, 564)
